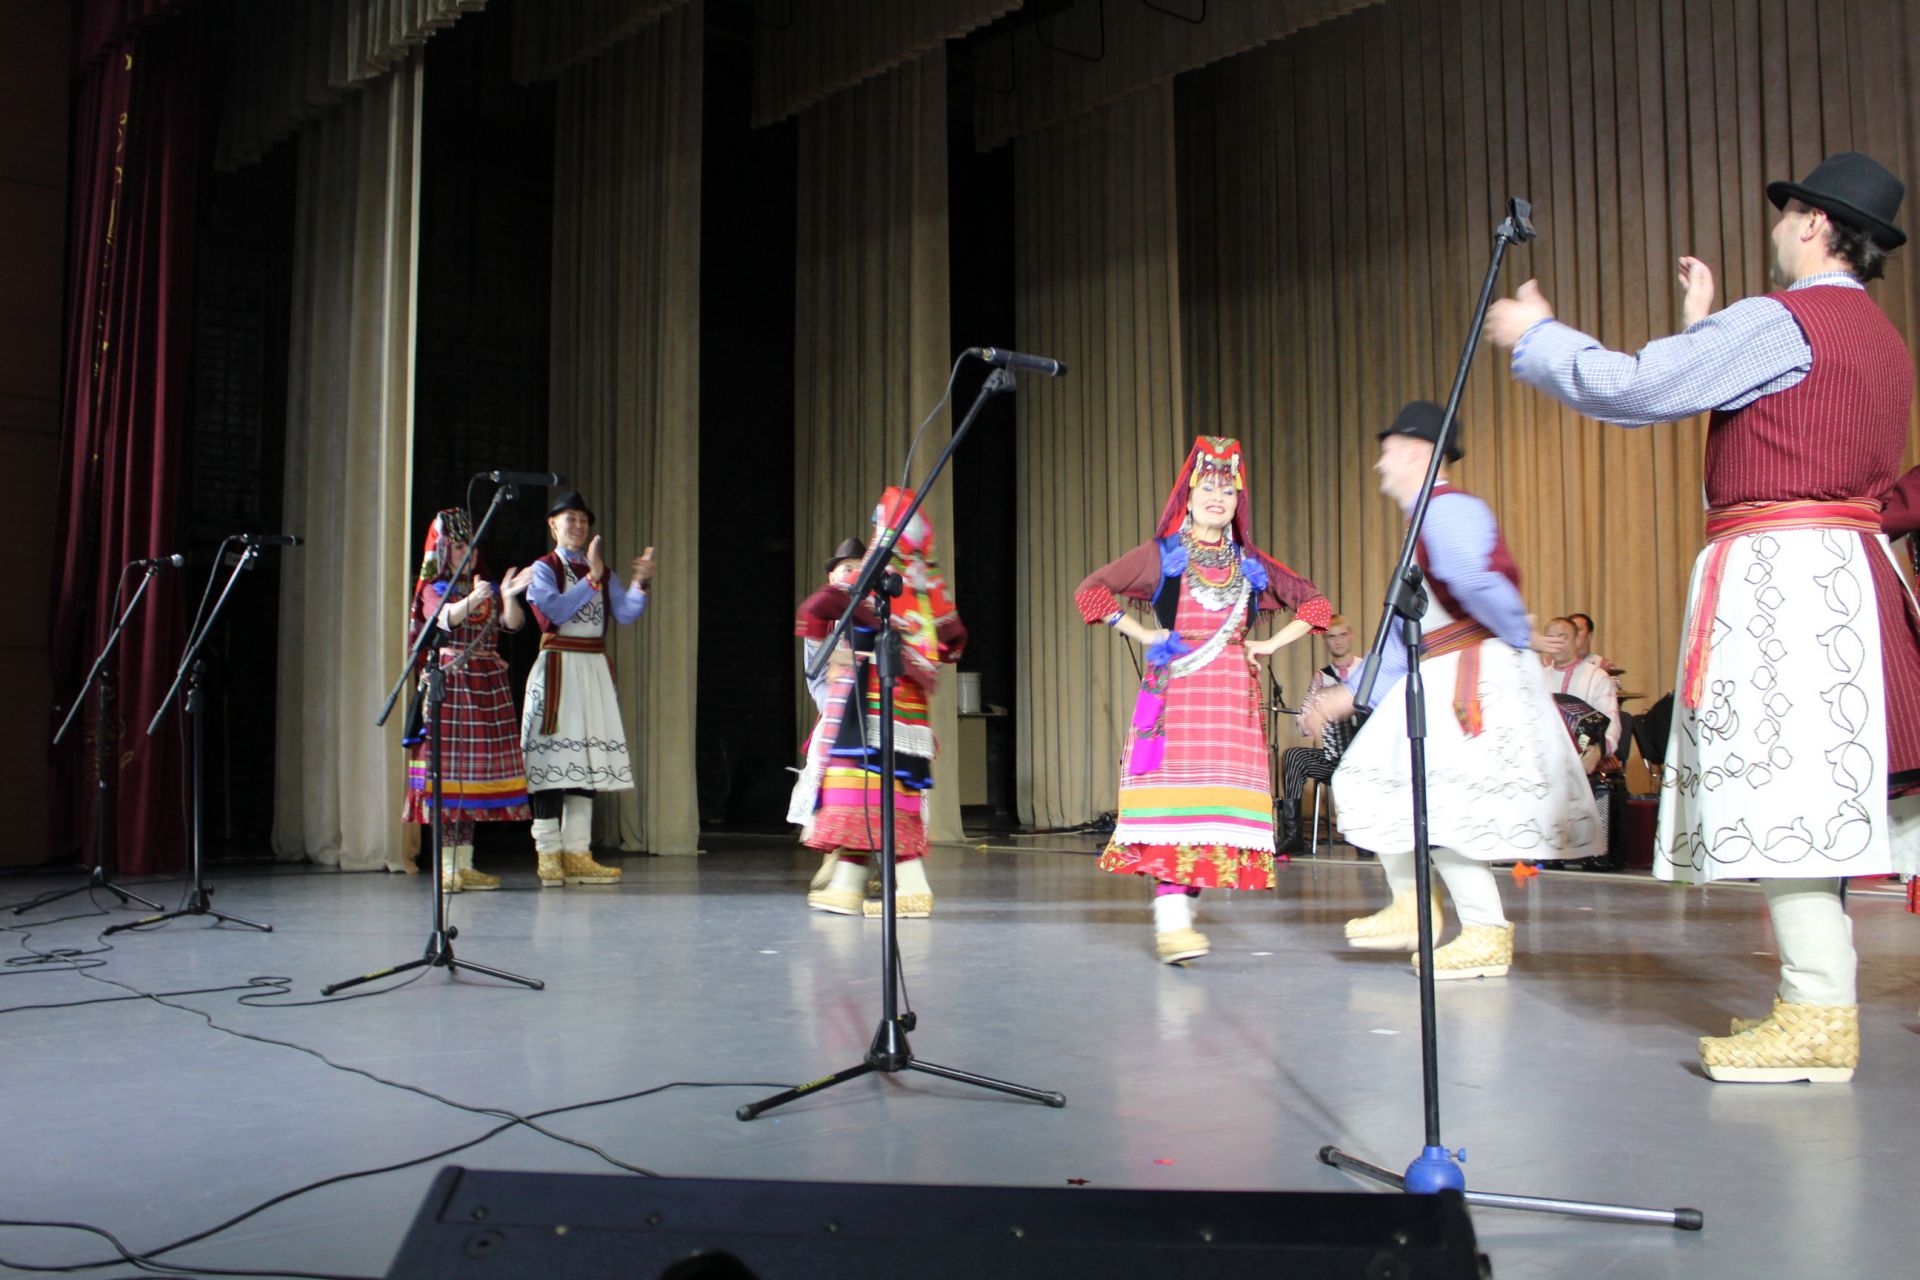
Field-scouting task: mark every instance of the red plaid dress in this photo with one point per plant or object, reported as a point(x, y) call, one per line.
point(1205, 816)
point(483, 774)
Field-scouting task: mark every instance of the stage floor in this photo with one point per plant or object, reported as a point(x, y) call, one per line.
point(1574, 1077)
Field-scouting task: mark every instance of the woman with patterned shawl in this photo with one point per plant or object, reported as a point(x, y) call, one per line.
point(837, 801)
point(1196, 789)
point(483, 776)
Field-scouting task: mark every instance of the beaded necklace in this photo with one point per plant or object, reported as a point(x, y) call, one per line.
point(1213, 571)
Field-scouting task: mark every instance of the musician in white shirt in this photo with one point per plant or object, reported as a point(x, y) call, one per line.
point(1566, 670)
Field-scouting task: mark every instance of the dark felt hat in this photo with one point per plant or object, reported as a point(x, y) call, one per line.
point(570, 501)
point(1853, 189)
point(1421, 419)
point(851, 549)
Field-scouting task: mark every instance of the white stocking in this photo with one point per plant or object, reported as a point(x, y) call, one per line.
point(1815, 937)
point(1470, 883)
point(576, 825)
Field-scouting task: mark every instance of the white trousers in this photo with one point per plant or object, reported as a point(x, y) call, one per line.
point(1470, 883)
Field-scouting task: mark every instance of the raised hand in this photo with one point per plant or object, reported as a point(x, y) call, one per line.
point(643, 567)
point(596, 565)
point(1510, 318)
point(515, 583)
point(1696, 287)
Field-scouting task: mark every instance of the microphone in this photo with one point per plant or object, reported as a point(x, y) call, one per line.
point(1004, 359)
point(175, 561)
point(268, 539)
point(525, 477)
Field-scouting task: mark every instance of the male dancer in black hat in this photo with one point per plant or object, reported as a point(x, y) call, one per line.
point(1795, 749)
point(570, 729)
point(1502, 778)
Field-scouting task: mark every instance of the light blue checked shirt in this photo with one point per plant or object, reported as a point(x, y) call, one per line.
point(1459, 538)
point(1726, 361)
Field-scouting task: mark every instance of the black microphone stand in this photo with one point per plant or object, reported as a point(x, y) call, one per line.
point(1436, 1168)
point(106, 794)
point(192, 669)
point(889, 1050)
point(438, 952)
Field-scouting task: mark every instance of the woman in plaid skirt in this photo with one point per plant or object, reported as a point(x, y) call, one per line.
point(483, 774)
point(1196, 791)
point(838, 798)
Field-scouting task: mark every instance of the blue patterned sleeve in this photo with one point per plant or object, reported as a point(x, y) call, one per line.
point(1726, 361)
point(1459, 538)
point(627, 605)
point(544, 594)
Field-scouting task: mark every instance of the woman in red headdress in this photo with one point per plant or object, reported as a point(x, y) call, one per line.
point(1196, 790)
point(840, 792)
point(483, 775)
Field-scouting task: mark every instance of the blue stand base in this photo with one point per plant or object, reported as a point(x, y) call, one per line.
point(1436, 1169)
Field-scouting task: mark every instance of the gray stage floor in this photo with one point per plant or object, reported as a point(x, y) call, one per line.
point(1574, 1077)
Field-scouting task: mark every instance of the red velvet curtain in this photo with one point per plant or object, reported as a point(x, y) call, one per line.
point(136, 155)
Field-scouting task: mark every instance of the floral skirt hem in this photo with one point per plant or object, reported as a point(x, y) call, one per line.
point(1200, 866)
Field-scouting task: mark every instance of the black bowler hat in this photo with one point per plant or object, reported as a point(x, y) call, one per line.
point(1853, 189)
point(1421, 419)
point(851, 549)
point(570, 501)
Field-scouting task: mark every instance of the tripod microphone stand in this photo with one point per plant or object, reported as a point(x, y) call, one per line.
point(889, 1051)
point(106, 793)
point(192, 669)
point(1436, 1168)
point(438, 952)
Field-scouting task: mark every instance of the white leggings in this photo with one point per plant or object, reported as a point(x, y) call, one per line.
point(1815, 938)
point(1470, 882)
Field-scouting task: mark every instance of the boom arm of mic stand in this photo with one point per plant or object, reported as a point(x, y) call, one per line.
point(247, 556)
point(505, 493)
point(106, 650)
point(998, 381)
point(1516, 228)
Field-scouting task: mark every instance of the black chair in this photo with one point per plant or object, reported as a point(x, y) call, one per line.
point(1651, 729)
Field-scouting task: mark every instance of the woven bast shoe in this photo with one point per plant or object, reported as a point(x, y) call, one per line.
point(1175, 946)
point(1175, 940)
point(906, 906)
point(1481, 951)
point(1748, 1024)
point(552, 872)
point(582, 869)
point(1395, 927)
point(1819, 1043)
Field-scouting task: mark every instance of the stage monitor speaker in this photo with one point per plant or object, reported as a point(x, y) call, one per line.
point(519, 1226)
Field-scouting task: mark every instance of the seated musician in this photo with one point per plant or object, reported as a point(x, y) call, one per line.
point(1567, 672)
point(1297, 764)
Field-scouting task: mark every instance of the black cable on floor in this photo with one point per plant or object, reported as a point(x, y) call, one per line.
point(145, 1260)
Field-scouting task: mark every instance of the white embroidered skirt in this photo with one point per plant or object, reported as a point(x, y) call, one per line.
point(1515, 790)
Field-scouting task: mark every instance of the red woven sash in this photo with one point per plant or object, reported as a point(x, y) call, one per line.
point(553, 645)
point(1724, 524)
point(1462, 637)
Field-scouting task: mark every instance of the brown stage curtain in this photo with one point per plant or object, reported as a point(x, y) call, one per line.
point(1095, 52)
point(551, 35)
point(806, 51)
point(1339, 193)
point(872, 344)
point(1098, 286)
point(344, 593)
point(625, 390)
point(292, 60)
